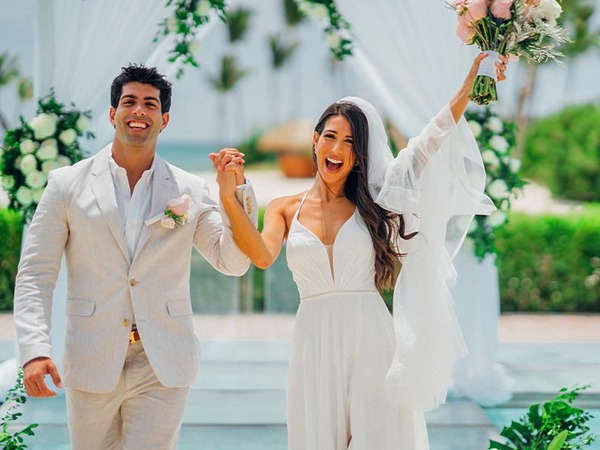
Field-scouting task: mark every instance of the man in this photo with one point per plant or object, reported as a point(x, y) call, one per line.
point(130, 349)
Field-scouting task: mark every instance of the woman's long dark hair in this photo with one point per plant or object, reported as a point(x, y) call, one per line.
point(384, 226)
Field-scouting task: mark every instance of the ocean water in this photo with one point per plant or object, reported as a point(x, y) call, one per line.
point(189, 156)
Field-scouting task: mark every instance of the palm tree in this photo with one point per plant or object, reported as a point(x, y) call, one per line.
point(238, 21)
point(280, 53)
point(224, 82)
point(9, 71)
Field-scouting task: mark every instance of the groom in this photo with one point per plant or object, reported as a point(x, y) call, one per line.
point(130, 349)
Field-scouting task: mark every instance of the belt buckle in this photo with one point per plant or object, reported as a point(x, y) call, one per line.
point(134, 336)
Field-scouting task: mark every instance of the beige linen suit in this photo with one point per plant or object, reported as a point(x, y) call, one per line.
point(107, 289)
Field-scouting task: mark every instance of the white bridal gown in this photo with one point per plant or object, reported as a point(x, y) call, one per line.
point(359, 379)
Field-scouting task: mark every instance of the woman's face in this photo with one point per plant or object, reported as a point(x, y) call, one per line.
point(335, 149)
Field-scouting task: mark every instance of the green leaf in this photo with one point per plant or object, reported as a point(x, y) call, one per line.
point(558, 442)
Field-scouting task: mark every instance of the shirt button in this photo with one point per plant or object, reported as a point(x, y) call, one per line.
point(126, 323)
point(132, 282)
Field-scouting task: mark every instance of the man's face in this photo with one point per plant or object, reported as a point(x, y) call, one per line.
point(137, 118)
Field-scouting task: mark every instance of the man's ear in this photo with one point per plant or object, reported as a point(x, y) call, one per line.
point(165, 120)
point(111, 115)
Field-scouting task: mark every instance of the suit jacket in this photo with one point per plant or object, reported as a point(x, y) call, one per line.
point(78, 214)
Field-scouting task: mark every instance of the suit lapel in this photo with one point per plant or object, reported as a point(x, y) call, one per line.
point(164, 188)
point(104, 191)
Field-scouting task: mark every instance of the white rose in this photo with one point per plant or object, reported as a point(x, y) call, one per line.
point(28, 164)
point(497, 189)
point(496, 219)
point(67, 137)
point(489, 157)
point(36, 195)
point(475, 128)
point(203, 7)
point(319, 11)
point(333, 39)
point(194, 46)
point(28, 146)
point(8, 182)
point(63, 161)
point(43, 125)
point(172, 24)
point(547, 11)
point(515, 165)
point(24, 196)
point(495, 124)
point(36, 179)
point(499, 144)
point(82, 123)
point(50, 165)
point(48, 150)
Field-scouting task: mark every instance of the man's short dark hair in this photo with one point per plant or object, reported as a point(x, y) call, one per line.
point(140, 74)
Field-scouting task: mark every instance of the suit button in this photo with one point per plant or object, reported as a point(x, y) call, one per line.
point(126, 323)
point(132, 282)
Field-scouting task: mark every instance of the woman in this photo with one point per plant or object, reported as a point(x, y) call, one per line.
point(357, 379)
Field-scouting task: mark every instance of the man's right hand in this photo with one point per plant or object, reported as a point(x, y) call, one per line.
point(34, 373)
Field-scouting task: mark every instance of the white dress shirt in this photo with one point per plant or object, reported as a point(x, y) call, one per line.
point(134, 207)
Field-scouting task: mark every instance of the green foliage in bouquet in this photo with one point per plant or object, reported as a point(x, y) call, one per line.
point(49, 141)
point(15, 398)
point(496, 139)
point(553, 425)
point(562, 151)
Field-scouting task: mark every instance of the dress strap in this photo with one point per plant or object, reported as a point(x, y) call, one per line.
point(300, 205)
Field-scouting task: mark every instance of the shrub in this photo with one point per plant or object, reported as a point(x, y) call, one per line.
point(550, 263)
point(11, 229)
point(562, 151)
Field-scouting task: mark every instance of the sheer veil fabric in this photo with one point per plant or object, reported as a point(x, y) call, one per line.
point(437, 183)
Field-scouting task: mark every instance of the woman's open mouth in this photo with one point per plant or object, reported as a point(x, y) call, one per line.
point(333, 165)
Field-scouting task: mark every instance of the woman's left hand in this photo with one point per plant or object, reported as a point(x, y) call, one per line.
point(459, 103)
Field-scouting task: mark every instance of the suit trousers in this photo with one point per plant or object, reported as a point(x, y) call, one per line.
point(139, 413)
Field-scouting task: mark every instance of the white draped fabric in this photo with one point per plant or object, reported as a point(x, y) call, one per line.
point(411, 59)
point(81, 46)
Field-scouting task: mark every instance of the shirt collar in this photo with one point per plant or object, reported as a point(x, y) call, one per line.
point(115, 169)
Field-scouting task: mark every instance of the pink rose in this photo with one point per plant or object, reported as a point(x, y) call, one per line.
point(475, 9)
point(464, 30)
point(501, 9)
point(180, 206)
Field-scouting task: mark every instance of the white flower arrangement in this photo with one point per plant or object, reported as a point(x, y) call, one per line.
point(188, 16)
point(31, 151)
point(496, 139)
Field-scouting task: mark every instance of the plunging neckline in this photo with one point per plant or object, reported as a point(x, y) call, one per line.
point(324, 246)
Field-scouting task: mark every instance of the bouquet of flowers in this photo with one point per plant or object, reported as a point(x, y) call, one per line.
point(496, 139)
point(31, 151)
point(522, 28)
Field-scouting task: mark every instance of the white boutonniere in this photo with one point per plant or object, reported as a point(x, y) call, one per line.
point(175, 215)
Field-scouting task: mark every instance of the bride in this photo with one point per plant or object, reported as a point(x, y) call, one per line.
point(359, 379)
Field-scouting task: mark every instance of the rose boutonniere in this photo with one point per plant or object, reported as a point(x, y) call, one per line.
point(176, 213)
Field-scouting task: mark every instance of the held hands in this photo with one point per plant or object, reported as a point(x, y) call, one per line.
point(229, 164)
point(34, 373)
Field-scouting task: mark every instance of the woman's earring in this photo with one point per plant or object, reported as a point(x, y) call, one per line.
point(356, 164)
